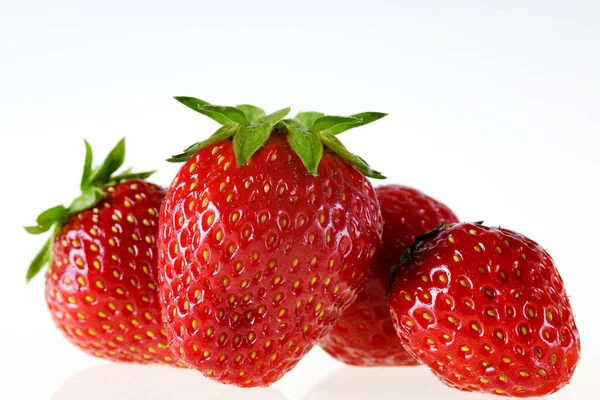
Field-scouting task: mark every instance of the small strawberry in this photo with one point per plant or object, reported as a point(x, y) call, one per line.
point(101, 285)
point(364, 335)
point(486, 310)
point(265, 239)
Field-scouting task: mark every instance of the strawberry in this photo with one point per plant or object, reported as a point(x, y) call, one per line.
point(265, 239)
point(486, 310)
point(364, 335)
point(101, 284)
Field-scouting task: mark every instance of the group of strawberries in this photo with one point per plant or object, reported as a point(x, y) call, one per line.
point(271, 240)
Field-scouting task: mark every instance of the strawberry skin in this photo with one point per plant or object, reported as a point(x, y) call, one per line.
point(486, 310)
point(257, 262)
point(364, 335)
point(101, 286)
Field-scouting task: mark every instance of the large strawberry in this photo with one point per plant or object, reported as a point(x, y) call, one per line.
point(101, 284)
point(265, 239)
point(486, 310)
point(365, 335)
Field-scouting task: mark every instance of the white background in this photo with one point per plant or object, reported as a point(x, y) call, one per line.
point(494, 108)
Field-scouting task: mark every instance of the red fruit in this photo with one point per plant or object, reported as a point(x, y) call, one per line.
point(365, 335)
point(486, 310)
point(258, 259)
point(101, 285)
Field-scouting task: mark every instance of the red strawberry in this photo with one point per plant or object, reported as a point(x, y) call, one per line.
point(259, 256)
point(365, 335)
point(101, 285)
point(486, 310)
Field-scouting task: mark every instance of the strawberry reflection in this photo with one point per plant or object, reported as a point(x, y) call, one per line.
point(148, 382)
point(393, 383)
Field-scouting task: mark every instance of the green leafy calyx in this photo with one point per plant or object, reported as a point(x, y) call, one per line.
point(309, 133)
point(93, 183)
point(406, 256)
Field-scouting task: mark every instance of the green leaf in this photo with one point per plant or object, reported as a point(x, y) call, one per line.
point(191, 102)
point(51, 215)
point(334, 125)
point(88, 199)
point(47, 219)
point(368, 117)
point(254, 128)
point(87, 167)
point(273, 118)
point(224, 115)
point(330, 124)
point(306, 144)
point(249, 139)
point(338, 148)
point(308, 118)
point(127, 175)
point(36, 229)
point(111, 164)
point(42, 258)
point(252, 113)
point(222, 133)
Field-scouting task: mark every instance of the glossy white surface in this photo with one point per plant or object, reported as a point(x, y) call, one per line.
point(111, 381)
point(494, 109)
point(118, 381)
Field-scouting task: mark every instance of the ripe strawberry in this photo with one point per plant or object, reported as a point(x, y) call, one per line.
point(486, 310)
point(259, 256)
point(100, 287)
point(365, 335)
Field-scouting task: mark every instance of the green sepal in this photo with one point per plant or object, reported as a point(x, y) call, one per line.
point(47, 219)
point(93, 183)
point(126, 176)
point(191, 102)
point(86, 200)
point(227, 115)
point(36, 229)
point(406, 256)
point(223, 133)
point(42, 258)
point(393, 270)
point(222, 114)
point(368, 117)
point(111, 164)
point(334, 125)
point(252, 113)
point(334, 144)
point(273, 118)
point(249, 139)
point(51, 215)
point(308, 118)
point(305, 143)
point(309, 132)
point(87, 167)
